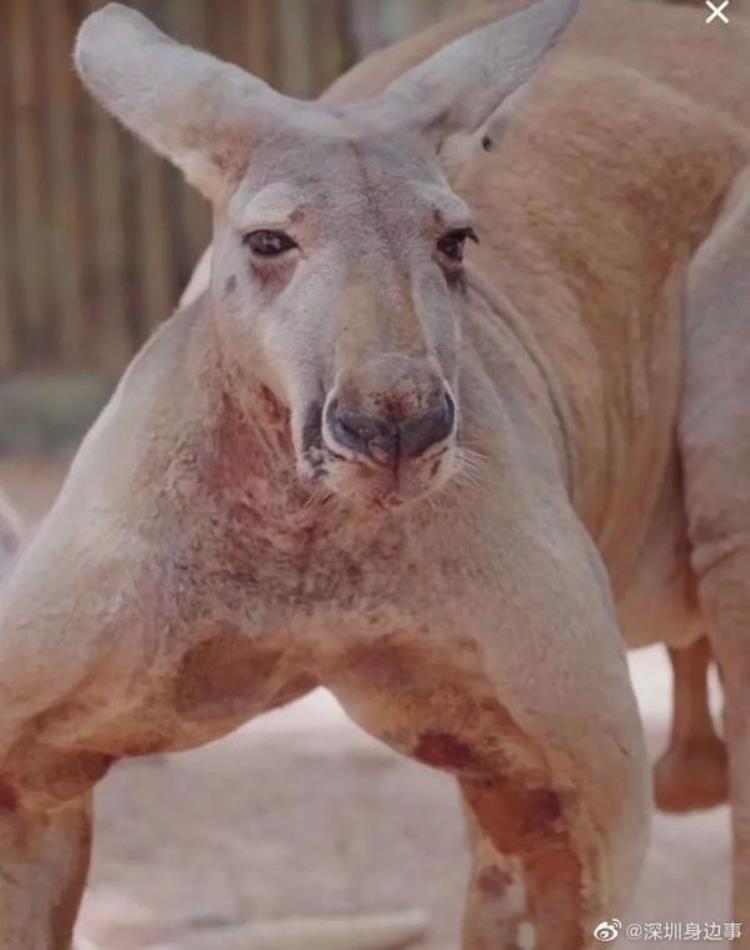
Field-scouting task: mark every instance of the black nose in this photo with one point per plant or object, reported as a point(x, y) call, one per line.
point(386, 439)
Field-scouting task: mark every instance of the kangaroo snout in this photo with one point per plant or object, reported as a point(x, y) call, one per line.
point(391, 409)
point(384, 439)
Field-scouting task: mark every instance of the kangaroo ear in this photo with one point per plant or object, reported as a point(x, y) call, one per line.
point(199, 112)
point(462, 86)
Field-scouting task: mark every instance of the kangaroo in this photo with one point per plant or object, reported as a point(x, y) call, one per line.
point(448, 480)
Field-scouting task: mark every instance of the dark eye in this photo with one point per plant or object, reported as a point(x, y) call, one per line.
point(451, 244)
point(268, 243)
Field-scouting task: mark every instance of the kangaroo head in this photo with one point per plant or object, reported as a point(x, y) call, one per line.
point(338, 243)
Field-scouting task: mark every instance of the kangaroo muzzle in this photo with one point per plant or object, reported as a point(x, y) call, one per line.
point(393, 409)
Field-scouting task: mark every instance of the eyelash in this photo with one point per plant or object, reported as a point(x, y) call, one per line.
point(267, 243)
point(451, 244)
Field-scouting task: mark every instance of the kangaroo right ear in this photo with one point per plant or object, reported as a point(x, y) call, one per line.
point(478, 76)
point(199, 112)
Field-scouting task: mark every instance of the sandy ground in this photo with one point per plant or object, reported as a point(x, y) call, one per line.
point(301, 813)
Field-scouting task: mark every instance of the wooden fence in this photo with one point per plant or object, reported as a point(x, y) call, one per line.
point(97, 236)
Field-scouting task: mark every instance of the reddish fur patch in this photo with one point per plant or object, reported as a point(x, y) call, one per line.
point(516, 818)
point(217, 674)
point(443, 751)
point(236, 453)
point(527, 822)
point(45, 777)
point(8, 796)
point(545, 804)
point(494, 882)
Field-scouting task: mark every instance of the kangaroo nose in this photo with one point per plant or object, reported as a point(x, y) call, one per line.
point(386, 439)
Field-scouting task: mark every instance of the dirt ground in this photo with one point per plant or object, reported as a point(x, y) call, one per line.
point(300, 813)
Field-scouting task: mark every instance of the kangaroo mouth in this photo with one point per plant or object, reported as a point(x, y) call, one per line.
point(339, 472)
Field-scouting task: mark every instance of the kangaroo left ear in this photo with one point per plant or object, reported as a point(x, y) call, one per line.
point(461, 87)
point(203, 114)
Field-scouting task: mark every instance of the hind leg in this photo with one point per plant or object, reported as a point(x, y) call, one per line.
point(44, 857)
point(715, 442)
point(495, 909)
point(692, 773)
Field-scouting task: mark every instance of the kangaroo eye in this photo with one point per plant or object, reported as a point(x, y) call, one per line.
point(452, 243)
point(268, 243)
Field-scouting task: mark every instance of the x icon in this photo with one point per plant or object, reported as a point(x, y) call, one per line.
point(717, 10)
